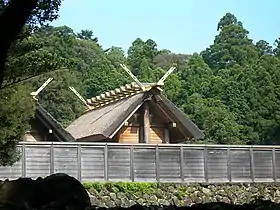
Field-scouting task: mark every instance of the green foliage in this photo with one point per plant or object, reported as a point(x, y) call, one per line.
point(46, 11)
point(234, 74)
point(63, 105)
point(259, 196)
point(125, 187)
point(96, 185)
point(17, 108)
point(230, 90)
point(26, 58)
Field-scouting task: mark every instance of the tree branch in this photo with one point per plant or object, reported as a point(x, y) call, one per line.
point(12, 20)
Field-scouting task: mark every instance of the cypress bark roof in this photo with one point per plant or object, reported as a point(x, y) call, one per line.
point(106, 119)
point(109, 111)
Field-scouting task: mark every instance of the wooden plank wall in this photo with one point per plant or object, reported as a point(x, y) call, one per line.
point(129, 135)
point(156, 135)
point(152, 163)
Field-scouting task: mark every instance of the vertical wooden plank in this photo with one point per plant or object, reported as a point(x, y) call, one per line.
point(51, 159)
point(146, 122)
point(141, 134)
point(106, 162)
point(274, 165)
point(229, 164)
point(182, 164)
point(252, 165)
point(132, 163)
point(23, 161)
point(157, 164)
point(79, 159)
point(206, 164)
point(166, 136)
point(129, 134)
point(156, 135)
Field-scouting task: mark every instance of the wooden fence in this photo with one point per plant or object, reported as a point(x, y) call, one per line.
point(149, 163)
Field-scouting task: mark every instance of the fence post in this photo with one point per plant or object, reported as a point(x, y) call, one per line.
point(182, 164)
point(132, 163)
point(229, 164)
point(51, 159)
point(157, 164)
point(274, 165)
point(206, 164)
point(106, 162)
point(252, 165)
point(23, 161)
point(79, 163)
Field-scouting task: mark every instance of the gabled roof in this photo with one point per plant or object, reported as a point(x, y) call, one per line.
point(104, 120)
point(51, 123)
point(109, 111)
point(190, 128)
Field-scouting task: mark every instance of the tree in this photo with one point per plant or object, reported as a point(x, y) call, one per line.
point(215, 119)
point(276, 50)
point(232, 45)
point(24, 56)
point(63, 105)
point(17, 108)
point(135, 55)
point(116, 56)
point(87, 34)
point(140, 50)
point(264, 47)
point(166, 59)
point(231, 90)
point(145, 73)
point(31, 12)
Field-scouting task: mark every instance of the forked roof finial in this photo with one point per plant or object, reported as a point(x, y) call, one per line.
point(34, 94)
point(133, 77)
point(160, 82)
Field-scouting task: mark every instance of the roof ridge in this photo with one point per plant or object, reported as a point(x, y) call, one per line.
point(117, 94)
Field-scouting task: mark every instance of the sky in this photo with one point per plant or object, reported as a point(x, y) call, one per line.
point(182, 26)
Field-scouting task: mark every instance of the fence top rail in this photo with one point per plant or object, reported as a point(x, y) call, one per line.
point(149, 145)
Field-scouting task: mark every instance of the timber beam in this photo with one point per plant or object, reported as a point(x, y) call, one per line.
point(146, 122)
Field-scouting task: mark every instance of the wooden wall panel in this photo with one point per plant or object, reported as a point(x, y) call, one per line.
point(156, 135)
point(129, 134)
point(31, 137)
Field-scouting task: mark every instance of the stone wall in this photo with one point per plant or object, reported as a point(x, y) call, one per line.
point(120, 194)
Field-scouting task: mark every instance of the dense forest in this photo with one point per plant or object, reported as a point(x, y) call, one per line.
point(231, 90)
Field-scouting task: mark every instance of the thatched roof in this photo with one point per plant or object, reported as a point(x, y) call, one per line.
point(102, 122)
point(109, 112)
